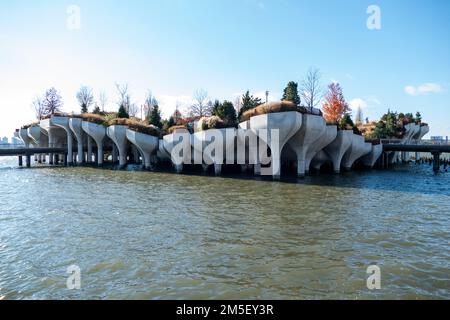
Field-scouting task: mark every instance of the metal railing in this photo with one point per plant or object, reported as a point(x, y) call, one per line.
point(416, 142)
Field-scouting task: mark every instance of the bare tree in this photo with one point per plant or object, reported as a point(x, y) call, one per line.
point(52, 102)
point(202, 106)
point(124, 96)
point(85, 98)
point(150, 102)
point(38, 107)
point(238, 103)
point(103, 100)
point(133, 109)
point(311, 89)
point(359, 116)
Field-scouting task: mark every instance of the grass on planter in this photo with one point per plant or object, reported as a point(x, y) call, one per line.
point(136, 125)
point(272, 107)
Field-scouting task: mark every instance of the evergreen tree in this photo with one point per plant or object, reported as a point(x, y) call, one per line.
point(96, 110)
point(171, 122)
point(155, 117)
point(291, 93)
point(122, 113)
point(248, 102)
point(418, 117)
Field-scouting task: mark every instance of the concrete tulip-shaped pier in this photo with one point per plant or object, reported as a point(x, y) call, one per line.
point(247, 147)
point(325, 139)
point(23, 135)
point(357, 149)
point(286, 123)
point(75, 125)
point(205, 143)
point(118, 134)
point(34, 132)
point(312, 129)
point(338, 148)
point(319, 160)
point(63, 122)
point(98, 133)
point(169, 143)
point(145, 143)
point(371, 158)
point(162, 153)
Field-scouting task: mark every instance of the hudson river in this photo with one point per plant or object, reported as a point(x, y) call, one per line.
point(145, 235)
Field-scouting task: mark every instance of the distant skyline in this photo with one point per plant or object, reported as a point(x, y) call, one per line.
point(225, 47)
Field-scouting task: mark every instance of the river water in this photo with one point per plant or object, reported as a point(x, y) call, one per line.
point(146, 235)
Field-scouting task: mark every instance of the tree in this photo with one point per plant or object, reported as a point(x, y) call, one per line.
point(150, 101)
point(225, 111)
point(52, 102)
point(359, 116)
point(291, 93)
point(96, 109)
point(133, 109)
point(248, 102)
point(124, 97)
point(155, 117)
point(177, 116)
point(346, 123)
point(85, 98)
point(311, 89)
point(122, 113)
point(418, 117)
point(103, 100)
point(202, 106)
point(335, 106)
point(171, 122)
point(38, 107)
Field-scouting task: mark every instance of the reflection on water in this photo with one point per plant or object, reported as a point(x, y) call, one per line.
point(160, 235)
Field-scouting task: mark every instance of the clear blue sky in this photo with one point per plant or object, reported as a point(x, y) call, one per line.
point(226, 47)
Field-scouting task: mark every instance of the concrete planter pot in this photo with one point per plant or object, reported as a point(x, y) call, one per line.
point(202, 141)
point(118, 134)
point(336, 149)
point(287, 124)
point(145, 143)
point(312, 130)
point(96, 132)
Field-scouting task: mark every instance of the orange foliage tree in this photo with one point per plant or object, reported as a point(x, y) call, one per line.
point(335, 106)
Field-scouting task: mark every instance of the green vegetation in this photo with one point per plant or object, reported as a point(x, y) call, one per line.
point(226, 112)
point(248, 102)
point(291, 93)
point(122, 113)
point(154, 117)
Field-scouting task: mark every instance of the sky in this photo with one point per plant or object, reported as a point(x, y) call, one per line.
point(174, 47)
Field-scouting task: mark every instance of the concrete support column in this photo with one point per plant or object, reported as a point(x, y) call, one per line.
point(28, 160)
point(436, 161)
point(100, 154)
point(69, 148)
point(114, 153)
point(20, 161)
point(89, 150)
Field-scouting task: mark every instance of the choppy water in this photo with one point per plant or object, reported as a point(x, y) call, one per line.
point(160, 235)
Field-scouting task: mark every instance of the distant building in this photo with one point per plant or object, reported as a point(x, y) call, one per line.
point(437, 138)
point(4, 140)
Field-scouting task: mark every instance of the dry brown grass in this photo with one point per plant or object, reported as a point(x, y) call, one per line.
point(136, 125)
point(272, 107)
point(27, 126)
point(174, 128)
point(93, 117)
